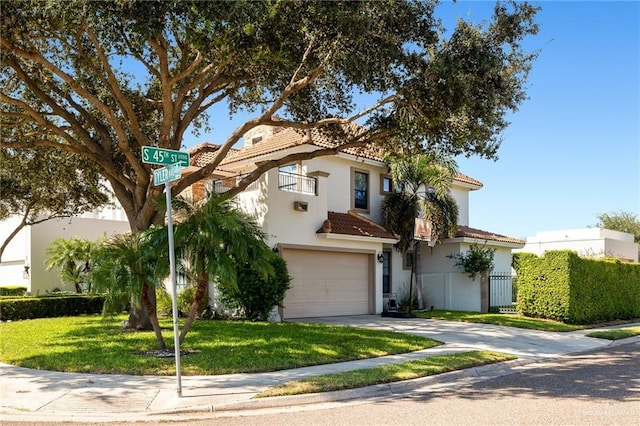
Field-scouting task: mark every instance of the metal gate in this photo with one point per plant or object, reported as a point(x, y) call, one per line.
point(501, 289)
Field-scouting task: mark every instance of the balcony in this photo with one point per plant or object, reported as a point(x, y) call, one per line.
point(300, 184)
point(290, 182)
point(220, 186)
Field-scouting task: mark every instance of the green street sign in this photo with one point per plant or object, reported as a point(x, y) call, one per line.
point(167, 174)
point(153, 155)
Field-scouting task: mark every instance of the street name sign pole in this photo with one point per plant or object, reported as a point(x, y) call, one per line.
point(175, 161)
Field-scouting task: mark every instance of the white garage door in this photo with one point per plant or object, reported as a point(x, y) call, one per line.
point(327, 283)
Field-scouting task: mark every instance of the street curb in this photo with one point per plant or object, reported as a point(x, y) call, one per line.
point(373, 391)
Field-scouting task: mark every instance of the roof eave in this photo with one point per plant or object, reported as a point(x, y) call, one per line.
point(360, 238)
point(493, 243)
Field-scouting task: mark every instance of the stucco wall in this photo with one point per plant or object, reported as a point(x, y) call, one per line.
point(446, 286)
point(37, 238)
point(590, 242)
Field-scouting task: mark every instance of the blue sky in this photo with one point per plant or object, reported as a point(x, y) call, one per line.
point(572, 150)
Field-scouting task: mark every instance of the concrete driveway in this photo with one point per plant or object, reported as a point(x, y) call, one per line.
point(524, 343)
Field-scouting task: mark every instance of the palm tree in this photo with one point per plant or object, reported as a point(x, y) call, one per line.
point(71, 257)
point(132, 265)
point(423, 185)
point(213, 240)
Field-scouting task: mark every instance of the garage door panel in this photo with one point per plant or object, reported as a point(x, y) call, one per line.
point(326, 283)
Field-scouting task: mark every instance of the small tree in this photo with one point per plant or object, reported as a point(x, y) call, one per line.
point(131, 265)
point(476, 260)
point(212, 240)
point(256, 295)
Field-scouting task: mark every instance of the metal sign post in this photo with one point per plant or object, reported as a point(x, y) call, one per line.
point(174, 289)
point(165, 175)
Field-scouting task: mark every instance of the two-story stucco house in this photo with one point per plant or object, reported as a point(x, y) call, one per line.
point(323, 217)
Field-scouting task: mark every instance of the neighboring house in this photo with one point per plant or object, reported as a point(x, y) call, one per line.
point(586, 242)
point(23, 262)
point(323, 217)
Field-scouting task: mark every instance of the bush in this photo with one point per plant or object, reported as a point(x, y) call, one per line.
point(185, 300)
point(475, 260)
point(13, 290)
point(164, 305)
point(565, 287)
point(12, 309)
point(256, 296)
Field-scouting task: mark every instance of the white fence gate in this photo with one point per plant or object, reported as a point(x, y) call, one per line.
point(501, 289)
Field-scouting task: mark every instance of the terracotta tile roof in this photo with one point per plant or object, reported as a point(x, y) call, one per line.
point(203, 153)
point(289, 138)
point(466, 179)
point(352, 223)
point(465, 231)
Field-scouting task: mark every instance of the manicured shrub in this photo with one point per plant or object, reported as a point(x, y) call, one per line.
point(20, 308)
point(164, 305)
point(256, 296)
point(185, 300)
point(565, 287)
point(13, 290)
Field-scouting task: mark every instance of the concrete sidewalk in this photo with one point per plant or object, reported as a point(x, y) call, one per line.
point(34, 395)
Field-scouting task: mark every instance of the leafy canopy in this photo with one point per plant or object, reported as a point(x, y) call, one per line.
point(477, 259)
point(39, 184)
point(106, 78)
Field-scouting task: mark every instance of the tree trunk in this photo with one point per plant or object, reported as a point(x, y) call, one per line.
point(140, 219)
point(138, 316)
point(484, 291)
point(149, 302)
point(203, 283)
point(416, 246)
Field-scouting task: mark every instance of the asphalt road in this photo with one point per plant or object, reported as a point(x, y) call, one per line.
point(597, 388)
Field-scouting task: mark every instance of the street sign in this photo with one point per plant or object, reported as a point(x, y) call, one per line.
point(153, 155)
point(167, 174)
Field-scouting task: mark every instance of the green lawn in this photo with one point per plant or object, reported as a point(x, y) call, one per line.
point(508, 320)
point(90, 344)
point(387, 373)
point(616, 333)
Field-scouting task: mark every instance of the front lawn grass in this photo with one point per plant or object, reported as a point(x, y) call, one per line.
point(507, 320)
point(89, 344)
point(387, 373)
point(616, 333)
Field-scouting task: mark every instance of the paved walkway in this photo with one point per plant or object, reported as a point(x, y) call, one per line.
point(35, 395)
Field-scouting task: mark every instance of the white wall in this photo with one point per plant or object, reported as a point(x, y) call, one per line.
point(37, 238)
point(589, 242)
point(461, 195)
point(446, 286)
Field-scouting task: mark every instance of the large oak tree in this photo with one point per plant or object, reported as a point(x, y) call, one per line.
point(102, 79)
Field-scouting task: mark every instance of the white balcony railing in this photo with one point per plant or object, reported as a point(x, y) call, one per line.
point(293, 182)
point(220, 186)
point(290, 182)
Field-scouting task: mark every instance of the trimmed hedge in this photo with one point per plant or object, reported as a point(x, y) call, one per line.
point(565, 287)
point(13, 290)
point(20, 308)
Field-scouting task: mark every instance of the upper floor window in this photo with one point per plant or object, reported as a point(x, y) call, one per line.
point(291, 168)
point(386, 184)
point(360, 189)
